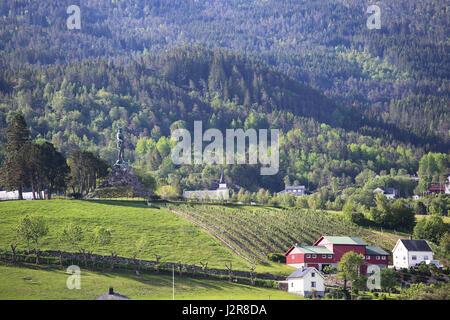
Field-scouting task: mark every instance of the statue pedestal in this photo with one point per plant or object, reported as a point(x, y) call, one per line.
point(122, 176)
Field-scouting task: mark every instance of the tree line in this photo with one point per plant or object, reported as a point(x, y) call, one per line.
point(39, 166)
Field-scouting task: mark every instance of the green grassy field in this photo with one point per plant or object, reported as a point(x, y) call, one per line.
point(421, 216)
point(168, 235)
point(33, 283)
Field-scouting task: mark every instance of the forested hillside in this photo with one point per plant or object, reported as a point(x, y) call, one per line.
point(345, 98)
point(396, 76)
point(80, 106)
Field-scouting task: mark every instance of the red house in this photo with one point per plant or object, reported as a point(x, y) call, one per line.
point(329, 250)
point(436, 188)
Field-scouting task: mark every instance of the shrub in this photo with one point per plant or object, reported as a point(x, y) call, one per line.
point(75, 195)
point(276, 257)
point(329, 269)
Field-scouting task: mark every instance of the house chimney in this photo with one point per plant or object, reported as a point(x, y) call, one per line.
point(111, 290)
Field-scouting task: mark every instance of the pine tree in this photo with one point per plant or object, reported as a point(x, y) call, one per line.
point(14, 169)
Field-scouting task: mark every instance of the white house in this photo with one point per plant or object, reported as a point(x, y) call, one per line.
point(295, 190)
point(389, 193)
point(305, 281)
point(407, 253)
point(447, 185)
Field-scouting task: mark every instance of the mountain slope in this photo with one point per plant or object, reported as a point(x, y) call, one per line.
point(325, 44)
point(82, 104)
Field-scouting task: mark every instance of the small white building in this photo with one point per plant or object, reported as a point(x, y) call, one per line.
point(305, 281)
point(14, 195)
point(408, 253)
point(220, 194)
point(447, 185)
point(295, 190)
point(389, 193)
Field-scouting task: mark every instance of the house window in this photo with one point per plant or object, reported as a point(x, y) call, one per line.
point(313, 284)
point(293, 257)
point(383, 257)
point(314, 256)
point(330, 256)
point(292, 284)
point(313, 275)
point(308, 256)
point(367, 257)
point(414, 258)
point(425, 258)
point(324, 256)
point(378, 257)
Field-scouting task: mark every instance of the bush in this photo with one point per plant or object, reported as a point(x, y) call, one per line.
point(75, 195)
point(115, 192)
point(421, 279)
point(276, 257)
point(329, 269)
point(424, 270)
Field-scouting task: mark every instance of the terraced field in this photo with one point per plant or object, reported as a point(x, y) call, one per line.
point(253, 232)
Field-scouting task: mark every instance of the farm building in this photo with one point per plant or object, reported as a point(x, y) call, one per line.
point(328, 250)
point(308, 282)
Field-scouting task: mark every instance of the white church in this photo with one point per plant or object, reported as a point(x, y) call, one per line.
point(220, 194)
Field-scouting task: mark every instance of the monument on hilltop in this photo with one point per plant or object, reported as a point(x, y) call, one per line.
point(121, 181)
point(120, 147)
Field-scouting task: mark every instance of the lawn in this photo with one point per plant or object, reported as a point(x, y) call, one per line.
point(33, 282)
point(168, 235)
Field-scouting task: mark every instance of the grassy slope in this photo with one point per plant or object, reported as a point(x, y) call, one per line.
point(172, 237)
point(421, 216)
point(40, 283)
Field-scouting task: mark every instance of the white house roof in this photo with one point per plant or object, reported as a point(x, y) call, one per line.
point(301, 272)
point(416, 245)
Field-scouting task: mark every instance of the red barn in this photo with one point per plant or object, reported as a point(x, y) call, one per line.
point(328, 250)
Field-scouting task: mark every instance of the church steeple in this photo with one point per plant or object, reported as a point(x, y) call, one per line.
point(222, 183)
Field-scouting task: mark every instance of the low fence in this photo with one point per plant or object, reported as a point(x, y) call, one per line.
point(96, 262)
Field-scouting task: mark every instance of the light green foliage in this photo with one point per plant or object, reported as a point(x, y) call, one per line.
point(388, 279)
point(24, 230)
point(101, 237)
point(72, 234)
point(431, 228)
point(348, 267)
point(32, 228)
point(424, 292)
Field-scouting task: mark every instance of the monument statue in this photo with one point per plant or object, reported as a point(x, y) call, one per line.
point(120, 146)
point(121, 178)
